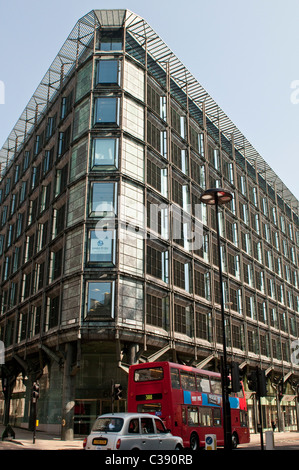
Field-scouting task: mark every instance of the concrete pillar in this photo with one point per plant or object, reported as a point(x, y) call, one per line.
point(68, 396)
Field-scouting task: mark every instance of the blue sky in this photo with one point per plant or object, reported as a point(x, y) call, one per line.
point(247, 58)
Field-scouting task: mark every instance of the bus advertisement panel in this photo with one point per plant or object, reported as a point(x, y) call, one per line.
point(188, 400)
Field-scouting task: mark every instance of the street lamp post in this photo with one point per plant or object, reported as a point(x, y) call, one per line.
point(216, 197)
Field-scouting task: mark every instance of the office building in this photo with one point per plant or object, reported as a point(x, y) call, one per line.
point(107, 255)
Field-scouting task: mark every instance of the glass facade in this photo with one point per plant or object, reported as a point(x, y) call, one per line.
point(103, 234)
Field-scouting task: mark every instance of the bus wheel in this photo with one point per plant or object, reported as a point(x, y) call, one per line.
point(194, 443)
point(235, 441)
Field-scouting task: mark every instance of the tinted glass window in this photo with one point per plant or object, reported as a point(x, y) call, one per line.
point(107, 71)
point(106, 110)
point(99, 299)
point(103, 199)
point(104, 154)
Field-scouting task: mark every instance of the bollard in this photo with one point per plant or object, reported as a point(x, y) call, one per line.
point(269, 440)
point(210, 442)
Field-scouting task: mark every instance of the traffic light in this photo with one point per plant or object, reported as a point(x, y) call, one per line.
point(235, 378)
point(252, 381)
point(280, 391)
point(257, 382)
point(117, 391)
point(35, 391)
point(261, 381)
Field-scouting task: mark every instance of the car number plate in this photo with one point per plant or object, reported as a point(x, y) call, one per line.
point(99, 442)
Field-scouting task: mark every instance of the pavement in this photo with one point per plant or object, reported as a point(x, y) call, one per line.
point(288, 440)
point(23, 440)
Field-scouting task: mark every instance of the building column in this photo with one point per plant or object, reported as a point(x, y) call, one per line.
point(68, 396)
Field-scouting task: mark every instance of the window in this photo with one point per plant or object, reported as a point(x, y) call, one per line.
point(103, 199)
point(13, 203)
point(66, 105)
point(7, 187)
point(106, 110)
point(101, 246)
point(175, 378)
point(134, 426)
point(4, 215)
point(145, 375)
point(17, 174)
point(203, 383)
point(35, 320)
point(216, 416)
point(23, 189)
point(147, 426)
point(216, 386)
point(107, 71)
point(192, 416)
point(157, 138)
point(104, 154)
point(56, 264)
point(58, 220)
point(182, 275)
point(26, 160)
point(188, 380)
point(111, 41)
point(61, 183)
point(63, 141)
point(50, 127)
point(157, 176)
point(203, 327)
point(160, 426)
point(182, 319)
point(53, 308)
point(100, 297)
point(157, 311)
point(157, 263)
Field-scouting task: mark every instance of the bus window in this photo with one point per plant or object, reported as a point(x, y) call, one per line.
point(175, 378)
point(217, 416)
point(205, 416)
point(188, 380)
point(149, 408)
point(144, 375)
point(216, 386)
point(192, 416)
point(203, 383)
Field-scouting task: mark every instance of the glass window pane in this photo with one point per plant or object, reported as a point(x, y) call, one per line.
point(103, 199)
point(106, 110)
point(100, 299)
point(111, 41)
point(105, 153)
point(101, 246)
point(107, 71)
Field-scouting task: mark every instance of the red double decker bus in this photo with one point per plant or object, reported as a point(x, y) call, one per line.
point(188, 400)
